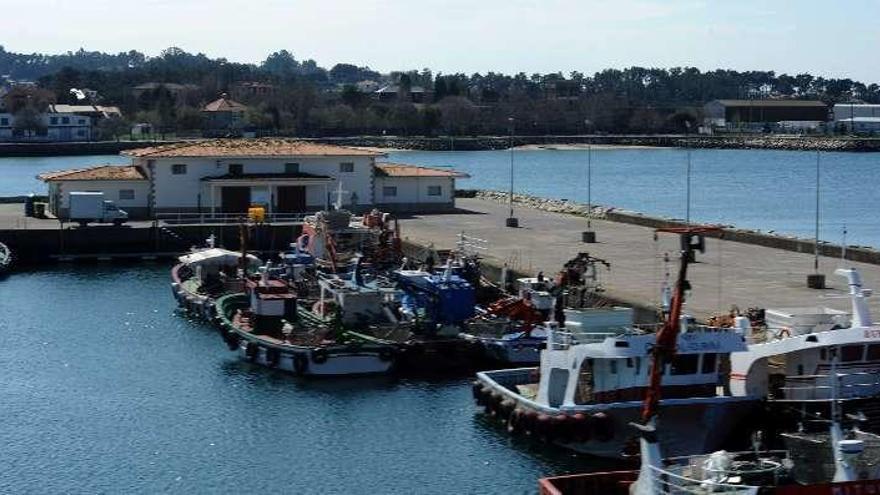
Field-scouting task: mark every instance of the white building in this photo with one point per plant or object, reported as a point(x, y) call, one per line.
point(284, 176)
point(53, 127)
point(847, 111)
point(127, 186)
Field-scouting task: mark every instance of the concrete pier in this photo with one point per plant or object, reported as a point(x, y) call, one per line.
point(728, 273)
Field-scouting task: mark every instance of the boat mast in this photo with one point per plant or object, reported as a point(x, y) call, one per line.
point(664, 348)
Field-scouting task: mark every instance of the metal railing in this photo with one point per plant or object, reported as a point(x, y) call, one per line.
point(180, 218)
point(817, 387)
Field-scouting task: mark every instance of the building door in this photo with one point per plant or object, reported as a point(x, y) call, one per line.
point(291, 199)
point(236, 199)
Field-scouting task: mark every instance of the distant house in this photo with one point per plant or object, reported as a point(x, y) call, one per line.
point(761, 114)
point(223, 115)
point(392, 93)
point(48, 127)
point(249, 90)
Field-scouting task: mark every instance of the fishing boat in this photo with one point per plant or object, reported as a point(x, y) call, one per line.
point(790, 357)
point(335, 237)
point(830, 460)
point(511, 330)
point(205, 274)
point(266, 325)
point(588, 387)
point(5, 258)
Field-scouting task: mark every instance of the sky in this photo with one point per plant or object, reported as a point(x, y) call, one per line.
point(831, 39)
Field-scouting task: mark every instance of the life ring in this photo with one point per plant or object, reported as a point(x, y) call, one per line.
point(386, 354)
point(252, 351)
point(514, 422)
point(505, 409)
point(603, 429)
point(272, 357)
point(476, 391)
point(231, 339)
point(303, 242)
point(319, 355)
point(300, 364)
point(581, 427)
point(544, 427)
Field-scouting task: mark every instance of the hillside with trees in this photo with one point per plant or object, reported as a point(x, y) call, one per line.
point(309, 100)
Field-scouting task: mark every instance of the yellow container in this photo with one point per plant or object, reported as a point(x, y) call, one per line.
point(257, 214)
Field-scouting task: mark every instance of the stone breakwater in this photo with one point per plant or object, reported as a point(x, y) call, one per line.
point(790, 243)
point(795, 143)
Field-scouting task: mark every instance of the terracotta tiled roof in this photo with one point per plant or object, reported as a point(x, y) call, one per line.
point(245, 148)
point(402, 170)
point(99, 172)
point(224, 105)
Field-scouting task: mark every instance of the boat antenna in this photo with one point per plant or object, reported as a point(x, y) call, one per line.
point(843, 247)
point(511, 221)
point(242, 240)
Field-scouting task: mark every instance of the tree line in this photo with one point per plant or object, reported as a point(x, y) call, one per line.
point(310, 100)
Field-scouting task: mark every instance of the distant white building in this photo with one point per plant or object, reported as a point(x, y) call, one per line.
point(862, 118)
point(284, 176)
point(127, 186)
point(53, 127)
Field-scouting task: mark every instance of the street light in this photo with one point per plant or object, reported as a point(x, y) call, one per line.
point(816, 280)
point(588, 236)
point(511, 221)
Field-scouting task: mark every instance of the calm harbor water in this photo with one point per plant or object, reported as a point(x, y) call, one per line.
point(757, 189)
point(106, 390)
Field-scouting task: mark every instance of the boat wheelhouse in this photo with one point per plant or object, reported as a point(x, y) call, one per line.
point(204, 275)
point(789, 362)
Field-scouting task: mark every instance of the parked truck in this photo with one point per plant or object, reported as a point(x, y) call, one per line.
point(88, 207)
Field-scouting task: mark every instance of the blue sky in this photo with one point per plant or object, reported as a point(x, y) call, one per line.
point(833, 39)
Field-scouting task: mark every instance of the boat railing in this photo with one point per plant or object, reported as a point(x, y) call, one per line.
point(644, 328)
point(697, 474)
point(189, 218)
point(817, 387)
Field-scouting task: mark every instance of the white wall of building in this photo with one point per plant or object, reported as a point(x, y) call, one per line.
point(845, 111)
point(181, 191)
point(58, 126)
point(414, 190)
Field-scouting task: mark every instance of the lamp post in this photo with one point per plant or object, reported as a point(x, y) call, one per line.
point(816, 280)
point(588, 236)
point(511, 220)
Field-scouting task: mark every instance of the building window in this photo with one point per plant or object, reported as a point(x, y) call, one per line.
point(65, 120)
point(346, 167)
point(4, 121)
point(236, 169)
point(389, 191)
point(82, 121)
point(291, 168)
point(435, 191)
point(53, 120)
point(178, 169)
point(126, 194)
point(81, 132)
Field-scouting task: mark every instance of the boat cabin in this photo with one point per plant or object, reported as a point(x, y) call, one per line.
point(616, 368)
